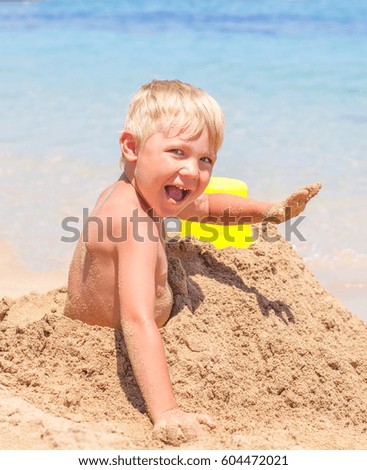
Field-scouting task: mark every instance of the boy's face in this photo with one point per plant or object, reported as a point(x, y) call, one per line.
point(172, 170)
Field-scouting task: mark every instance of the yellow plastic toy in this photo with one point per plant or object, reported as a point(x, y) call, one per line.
point(219, 235)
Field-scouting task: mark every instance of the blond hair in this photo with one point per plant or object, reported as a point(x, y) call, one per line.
point(163, 104)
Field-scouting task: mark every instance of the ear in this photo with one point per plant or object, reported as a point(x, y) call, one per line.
point(129, 146)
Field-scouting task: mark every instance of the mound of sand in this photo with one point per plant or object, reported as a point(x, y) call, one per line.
point(254, 341)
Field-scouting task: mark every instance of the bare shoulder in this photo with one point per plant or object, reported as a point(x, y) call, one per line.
point(115, 198)
point(107, 223)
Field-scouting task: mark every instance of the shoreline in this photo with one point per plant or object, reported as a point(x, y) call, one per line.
point(17, 280)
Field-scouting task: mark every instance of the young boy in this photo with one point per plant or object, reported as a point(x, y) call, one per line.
point(118, 275)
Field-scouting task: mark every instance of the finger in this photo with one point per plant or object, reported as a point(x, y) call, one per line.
point(313, 189)
point(207, 420)
point(304, 194)
point(299, 197)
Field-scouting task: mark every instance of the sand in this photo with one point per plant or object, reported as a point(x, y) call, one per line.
point(254, 340)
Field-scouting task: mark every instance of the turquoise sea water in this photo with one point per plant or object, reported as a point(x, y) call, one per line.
point(290, 76)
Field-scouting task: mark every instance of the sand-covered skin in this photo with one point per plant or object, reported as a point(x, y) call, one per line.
point(254, 341)
point(292, 205)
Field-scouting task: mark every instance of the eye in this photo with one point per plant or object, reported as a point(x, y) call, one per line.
point(207, 160)
point(177, 152)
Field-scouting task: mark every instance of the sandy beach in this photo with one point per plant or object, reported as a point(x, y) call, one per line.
point(271, 340)
point(254, 340)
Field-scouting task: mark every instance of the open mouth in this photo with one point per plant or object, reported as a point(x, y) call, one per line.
point(176, 193)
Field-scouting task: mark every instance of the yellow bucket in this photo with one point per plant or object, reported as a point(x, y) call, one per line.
point(221, 236)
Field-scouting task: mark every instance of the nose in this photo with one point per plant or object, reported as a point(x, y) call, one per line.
point(190, 169)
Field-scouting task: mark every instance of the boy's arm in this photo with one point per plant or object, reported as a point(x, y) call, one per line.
point(137, 261)
point(228, 209)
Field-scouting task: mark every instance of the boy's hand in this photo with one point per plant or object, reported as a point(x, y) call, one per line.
point(293, 205)
point(176, 426)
